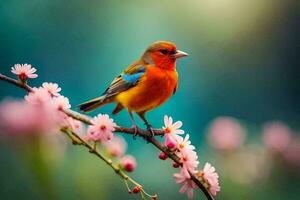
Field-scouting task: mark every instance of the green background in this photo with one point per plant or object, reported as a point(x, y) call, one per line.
point(244, 62)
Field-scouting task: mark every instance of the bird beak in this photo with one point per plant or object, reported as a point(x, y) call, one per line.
point(180, 54)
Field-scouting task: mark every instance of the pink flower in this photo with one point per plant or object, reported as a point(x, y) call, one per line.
point(52, 88)
point(188, 184)
point(172, 131)
point(184, 144)
point(128, 163)
point(189, 160)
point(226, 133)
point(61, 103)
point(72, 124)
point(102, 128)
point(276, 136)
point(210, 177)
point(116, 147)
point(292, 152)
point(38, 96)
point(22, 118)
point(24, 71)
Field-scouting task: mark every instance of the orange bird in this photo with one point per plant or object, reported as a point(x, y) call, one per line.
point(144, 85)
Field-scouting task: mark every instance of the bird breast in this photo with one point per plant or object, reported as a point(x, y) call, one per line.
point(154, 88)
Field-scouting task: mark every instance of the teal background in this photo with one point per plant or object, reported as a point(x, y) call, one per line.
point(244, 62)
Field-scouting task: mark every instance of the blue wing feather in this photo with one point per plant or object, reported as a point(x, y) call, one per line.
point(142, 69)
point(132, 78)
point(129, 78)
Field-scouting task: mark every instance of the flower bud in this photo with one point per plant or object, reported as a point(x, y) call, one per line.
point(128, 163)
point(136, 189)
point(175, 165)
point(162, 156)
point(171, 145)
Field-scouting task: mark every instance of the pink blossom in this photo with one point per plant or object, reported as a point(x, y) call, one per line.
point(116, 147)
point(61, 103)
point(101, 128)
point(188, 184)
point(172, 131)
point(24, 71)
point(22, 118)
point(72, 124)
point(38, 96)
point(128, 162)
point(52, 88)
point(226, 133)
point(292, 153)
point(211, 177)
point(184, 144)
point(276, 136)
point(189, 160)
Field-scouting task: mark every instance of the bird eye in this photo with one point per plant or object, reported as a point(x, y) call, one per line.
point(172, 52)
point(164, 51)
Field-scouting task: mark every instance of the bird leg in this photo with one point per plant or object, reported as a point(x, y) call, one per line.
point(133, 125)
point(149, 127)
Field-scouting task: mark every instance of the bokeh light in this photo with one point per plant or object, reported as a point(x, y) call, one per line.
point(243, 65)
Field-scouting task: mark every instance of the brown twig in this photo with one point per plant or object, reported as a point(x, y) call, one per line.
point(16, 82)
point(143, 133)
point(87, 120)
point(76, 139)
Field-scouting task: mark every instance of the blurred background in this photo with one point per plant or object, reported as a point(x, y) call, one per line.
point(238, 95)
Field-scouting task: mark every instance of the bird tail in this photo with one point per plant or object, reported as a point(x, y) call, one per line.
point(94, 103)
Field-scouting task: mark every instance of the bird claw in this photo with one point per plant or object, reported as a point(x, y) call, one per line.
point(135, 131)
point(150, 129)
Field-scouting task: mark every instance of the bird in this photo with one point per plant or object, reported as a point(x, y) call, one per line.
point(144, 85)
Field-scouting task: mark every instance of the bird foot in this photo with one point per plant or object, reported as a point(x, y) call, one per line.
point(150, 129)
point(135, 131)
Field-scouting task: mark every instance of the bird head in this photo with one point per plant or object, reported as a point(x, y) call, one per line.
point(162, 54)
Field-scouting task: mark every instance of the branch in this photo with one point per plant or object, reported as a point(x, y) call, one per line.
point(143, 133)
point(17, 83)
point(118, 129)
point(77, 140)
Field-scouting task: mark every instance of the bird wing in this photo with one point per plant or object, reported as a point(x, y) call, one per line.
point(128, 79)
point(175, 89)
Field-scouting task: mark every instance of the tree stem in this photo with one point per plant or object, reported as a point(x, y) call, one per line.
point(143, 133)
